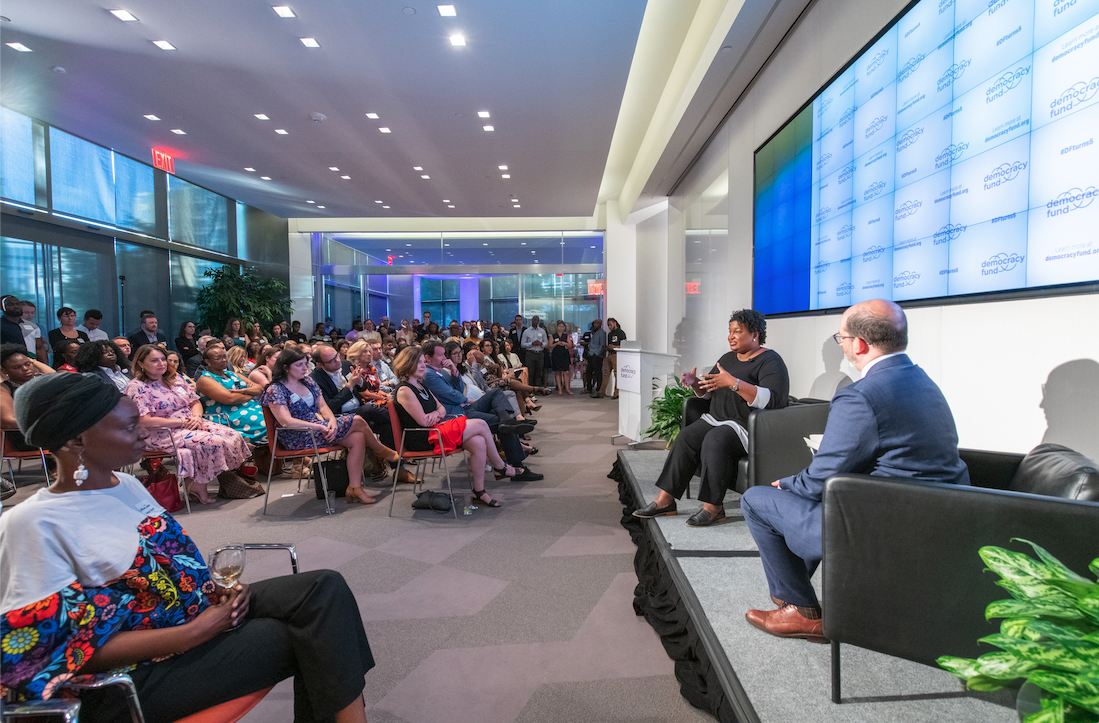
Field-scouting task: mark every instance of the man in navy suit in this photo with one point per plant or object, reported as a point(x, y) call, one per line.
point(894, 422)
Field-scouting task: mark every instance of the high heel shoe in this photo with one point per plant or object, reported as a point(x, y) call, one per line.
point(393, 456)
point(479, 494)
point(359, 495)
point(503, 471)
point(534, 407)
point(195, 490)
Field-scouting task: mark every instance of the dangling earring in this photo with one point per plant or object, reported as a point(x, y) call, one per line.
point(81, 472)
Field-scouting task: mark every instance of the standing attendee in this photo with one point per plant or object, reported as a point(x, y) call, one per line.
point(515, 333)
point(102, 358)
point(585, 370)
point(147, 334)
point(32, 334)
point(11, 331)
point(186, 344)
point(561, 355)
point(66, 331)
point(92, 320)
point(749, 377)
point(615, 337)
point(597, 344)
point(171, 411)
point(535, 341)
point(296, 401)
point(893, 423)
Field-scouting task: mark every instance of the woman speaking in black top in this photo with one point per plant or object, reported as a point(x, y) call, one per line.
point(749, 377)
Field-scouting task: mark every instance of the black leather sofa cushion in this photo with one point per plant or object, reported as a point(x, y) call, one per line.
point(1057, 471)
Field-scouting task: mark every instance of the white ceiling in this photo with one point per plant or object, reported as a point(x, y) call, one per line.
point(550, 72)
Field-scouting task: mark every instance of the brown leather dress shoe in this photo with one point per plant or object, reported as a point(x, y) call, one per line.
point(787, 622)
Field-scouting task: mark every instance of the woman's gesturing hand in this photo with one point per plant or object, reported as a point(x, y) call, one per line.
point(722, 379)
point(689, 378)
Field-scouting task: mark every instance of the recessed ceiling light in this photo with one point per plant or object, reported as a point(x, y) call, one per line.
point(457, 40)
point(593, 247)
point(265, 178)
point(417, 168)
point(446, 245)
point(383, 129)
point(333, 168)
point(315, 202)
point(502, 168)
point(448, 11)
point(124, 16)
point(385, 206)
point(164, 45)
point(283, 11)
point(250, 170)
point(262, 116)
point(408, 244)
point(424, 175)
point(532, 252)
point(152, 117)
point(372, 116)
point(446, 200)
point(524, 243)
point(346, 178)
point(380, 202)
point(488, 129)
point(505, 175)
point(282, 131)
point(310, 42)
point(482, 114)
point(20, 47)
point(515, 205)
point(179, 131)
point(450, 206)
point(320, 206)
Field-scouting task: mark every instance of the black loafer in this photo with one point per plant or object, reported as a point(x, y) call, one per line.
point(702, 518)
point(527, 476)
point(651, 510)
point(515, 427)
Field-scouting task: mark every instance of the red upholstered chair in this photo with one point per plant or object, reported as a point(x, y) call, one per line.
point(407, 455)
point(8, 454)
point(278, 452)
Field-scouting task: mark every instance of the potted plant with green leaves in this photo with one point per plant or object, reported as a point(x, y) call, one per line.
point(667, 412)
point(1049, 636)
point(242, 294)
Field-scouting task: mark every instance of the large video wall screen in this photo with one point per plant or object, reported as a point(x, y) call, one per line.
point(956, 155)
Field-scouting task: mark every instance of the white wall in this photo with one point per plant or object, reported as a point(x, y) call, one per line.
point(301, 280)
point(990, 359)
point(620, 261)
point(652, 285)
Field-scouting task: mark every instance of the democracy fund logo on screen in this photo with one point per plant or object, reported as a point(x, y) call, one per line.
point(1006, 82)
point(1074, 96)
point(1004, 173)
point(876, 61)
point(875, 125)
point(950, 154)
point(1000, 263)
point(910, 67)
point(905, 278)
point(906, 209)
point(872, 254)
point(844, 289)
point(1071, 200)
point(954, 72)
point(948, 233)
point(906, 139)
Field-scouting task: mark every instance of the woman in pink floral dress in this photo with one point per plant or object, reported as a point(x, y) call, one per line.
point(169, 406)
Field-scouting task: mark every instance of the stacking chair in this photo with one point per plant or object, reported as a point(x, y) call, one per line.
point(280, 453)
point(10, 454)
point(68, 709)
point(407, 456)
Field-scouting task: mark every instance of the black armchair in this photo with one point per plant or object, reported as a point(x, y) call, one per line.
point(901, 573)
point(776, 445)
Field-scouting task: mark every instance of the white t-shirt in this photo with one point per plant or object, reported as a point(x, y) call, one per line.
point(50, 540)
point(31, 331)
point(94, 334)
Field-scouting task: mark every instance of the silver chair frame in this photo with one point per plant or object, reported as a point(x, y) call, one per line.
point(329, 509)
point(422, 468)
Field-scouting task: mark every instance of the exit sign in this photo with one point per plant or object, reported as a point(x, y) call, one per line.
point(692, 287)
point(595, 288)
point(164, 162)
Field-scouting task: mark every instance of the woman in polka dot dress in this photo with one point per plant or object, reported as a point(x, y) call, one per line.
point(223, 391)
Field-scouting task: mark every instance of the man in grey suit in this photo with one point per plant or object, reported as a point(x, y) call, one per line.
point(894, 422)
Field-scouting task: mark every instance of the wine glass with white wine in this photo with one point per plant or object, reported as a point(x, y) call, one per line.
point(227, 565)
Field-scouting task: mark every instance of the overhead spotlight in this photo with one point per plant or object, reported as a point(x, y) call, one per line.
point(448, 11)
point(488, 129)
point(346, 178)
point(250, 170)
point(502, 168)
point(385, 206)
point(383, 129)
point(282, 131)
point(179, 131)
point(457, 40)
point(152, 117)
point(310, 201)
point(265, 178)
point(482, 114)
point(417, 168)
point(424, 176)
point(320, 206)
point(162, 44)
point(262, 116)
point(283, 11)
point(380, 202)
point(310, 42)
point(372, 116)
point(333, 168)
point(450, 205)
point(505, 175)
point(124, 16)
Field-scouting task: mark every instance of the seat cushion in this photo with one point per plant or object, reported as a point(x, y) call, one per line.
point(228, 712)
point(1057, 471)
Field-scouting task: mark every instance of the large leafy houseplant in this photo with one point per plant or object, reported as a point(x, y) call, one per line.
point(243, 295)
point(1049, 635)
point(667, 412)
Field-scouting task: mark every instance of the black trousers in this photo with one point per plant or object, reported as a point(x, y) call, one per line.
point(718, 448)
point(594, 378)
point(306, 626)
point(536, 366)
point(377, 418)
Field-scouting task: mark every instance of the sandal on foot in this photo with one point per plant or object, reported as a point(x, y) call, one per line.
point(479, 494)
point(503, 472)
point(358, 494)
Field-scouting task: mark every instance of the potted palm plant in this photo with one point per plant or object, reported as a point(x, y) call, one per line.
point(667, 412)
point(242, 294)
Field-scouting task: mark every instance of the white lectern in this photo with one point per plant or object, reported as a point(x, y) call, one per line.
point(638, 370)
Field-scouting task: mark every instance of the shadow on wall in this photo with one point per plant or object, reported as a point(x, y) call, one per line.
point(1070, 400)
point(826, 385)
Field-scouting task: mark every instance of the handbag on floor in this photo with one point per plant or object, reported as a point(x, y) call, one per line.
point(335, 471)
point(431, 500)
point(164, 487)
point(233, 486)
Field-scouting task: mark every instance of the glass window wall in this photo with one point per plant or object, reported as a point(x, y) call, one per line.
point(197, 217)
point(81, 177)
point(16, 157)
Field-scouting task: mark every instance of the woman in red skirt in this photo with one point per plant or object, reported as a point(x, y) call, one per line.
point(417, 407)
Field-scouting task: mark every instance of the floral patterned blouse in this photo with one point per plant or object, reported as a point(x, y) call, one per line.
point(46, 642)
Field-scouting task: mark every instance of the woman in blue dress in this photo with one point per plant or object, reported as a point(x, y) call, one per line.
point(295, 400)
